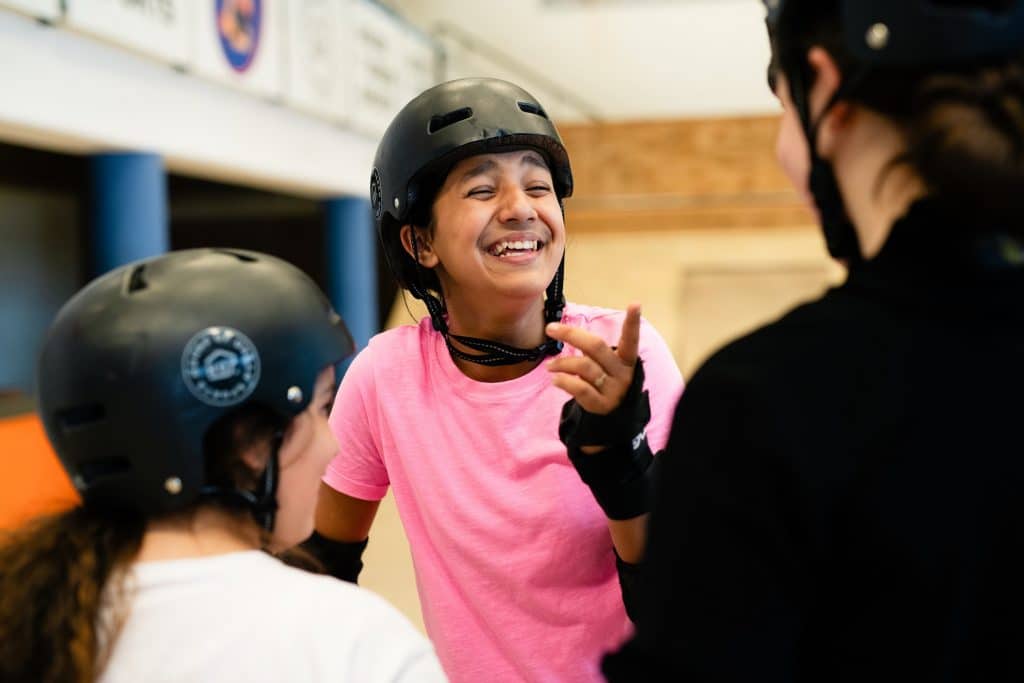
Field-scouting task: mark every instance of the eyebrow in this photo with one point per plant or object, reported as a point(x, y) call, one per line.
point(535, 160)
point(479, 169)
point(490, 165)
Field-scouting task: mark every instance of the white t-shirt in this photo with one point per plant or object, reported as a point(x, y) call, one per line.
point(246, 616)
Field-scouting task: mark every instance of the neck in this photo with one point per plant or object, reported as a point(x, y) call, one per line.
point(876, 192)
point(202, 532)
point(515, 323)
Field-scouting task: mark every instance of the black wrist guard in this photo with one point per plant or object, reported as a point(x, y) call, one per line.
point(618, 476)
point(340, 559)
point(621, 426)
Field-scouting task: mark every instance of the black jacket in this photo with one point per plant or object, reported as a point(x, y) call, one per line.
point(842, 496)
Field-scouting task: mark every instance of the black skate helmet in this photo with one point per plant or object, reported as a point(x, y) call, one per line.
point(139, 364)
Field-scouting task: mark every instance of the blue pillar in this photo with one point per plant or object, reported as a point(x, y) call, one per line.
point(352, 265)
point(128, 209)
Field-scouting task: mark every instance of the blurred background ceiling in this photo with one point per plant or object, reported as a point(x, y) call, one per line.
point(611, 59)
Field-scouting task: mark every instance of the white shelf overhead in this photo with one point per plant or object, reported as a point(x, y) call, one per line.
point(160, 30)
point(39, 9)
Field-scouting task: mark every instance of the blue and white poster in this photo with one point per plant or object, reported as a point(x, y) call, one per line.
point(239, 42)
point(238, 27)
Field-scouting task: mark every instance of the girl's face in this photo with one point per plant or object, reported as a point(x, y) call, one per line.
point(307, 448)
point(498, 229)
point(791, 149)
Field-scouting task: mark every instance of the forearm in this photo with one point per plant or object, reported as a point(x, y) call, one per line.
point(629, 537)
point(342, 527)
point(612, 456)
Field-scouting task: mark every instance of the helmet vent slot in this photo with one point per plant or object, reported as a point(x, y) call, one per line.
point(137, 280)
point(245, 258)
point(531, 108)
point(442, 121)
point(79, 417)
point(90, 471)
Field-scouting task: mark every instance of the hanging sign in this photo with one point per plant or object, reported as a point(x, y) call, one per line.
point(376, 91)
point(319, 36)
point(418, 70)
point(158, 28)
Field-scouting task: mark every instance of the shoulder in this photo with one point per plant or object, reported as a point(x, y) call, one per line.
point(605, 322)
point(400, 338)
point(291, 625)
point(392, 351)
point(331, 601)
point(813, 346)
point(803, 335)
point(580, 314)
point(341, 616)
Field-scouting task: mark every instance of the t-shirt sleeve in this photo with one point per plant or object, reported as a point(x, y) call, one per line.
point(358, 469)
point(663, 382)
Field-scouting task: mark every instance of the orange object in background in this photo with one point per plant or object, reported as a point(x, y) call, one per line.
point(32, 481)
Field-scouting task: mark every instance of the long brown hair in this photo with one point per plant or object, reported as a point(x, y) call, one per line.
point(58, 573)
point(52, 576)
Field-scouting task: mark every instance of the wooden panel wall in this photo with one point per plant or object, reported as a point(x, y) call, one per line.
point(680, 174)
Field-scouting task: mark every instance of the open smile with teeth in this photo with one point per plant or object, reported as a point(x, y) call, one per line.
point(515, 247)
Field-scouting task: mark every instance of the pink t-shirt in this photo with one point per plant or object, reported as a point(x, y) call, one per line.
point(514, 561)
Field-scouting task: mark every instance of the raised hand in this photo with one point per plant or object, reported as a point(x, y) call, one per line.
point(598, 379)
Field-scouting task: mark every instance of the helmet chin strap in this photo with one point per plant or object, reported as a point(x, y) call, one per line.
point(491, 352)
point(262, 502)
point(840, 234)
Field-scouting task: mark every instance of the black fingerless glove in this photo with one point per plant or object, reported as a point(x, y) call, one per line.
point(618, 476)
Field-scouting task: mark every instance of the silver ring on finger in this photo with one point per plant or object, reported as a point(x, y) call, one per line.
point(599, 382)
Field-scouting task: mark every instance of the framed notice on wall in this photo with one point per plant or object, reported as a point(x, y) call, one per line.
point(376, 85)
point(158, 29)
point(239, 42)
point(317, 49)
point(41, 9)
point(418, 65)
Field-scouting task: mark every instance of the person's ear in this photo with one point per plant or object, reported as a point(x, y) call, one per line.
point(422, 247)
point(256, 456)
point(827, 78)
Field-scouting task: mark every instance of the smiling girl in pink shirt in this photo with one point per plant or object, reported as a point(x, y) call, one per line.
point(515, 561)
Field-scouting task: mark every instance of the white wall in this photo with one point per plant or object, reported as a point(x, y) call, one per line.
point(70, 93)
point(631, 60)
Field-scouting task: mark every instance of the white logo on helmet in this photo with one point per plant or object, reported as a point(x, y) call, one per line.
point(220, 366)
